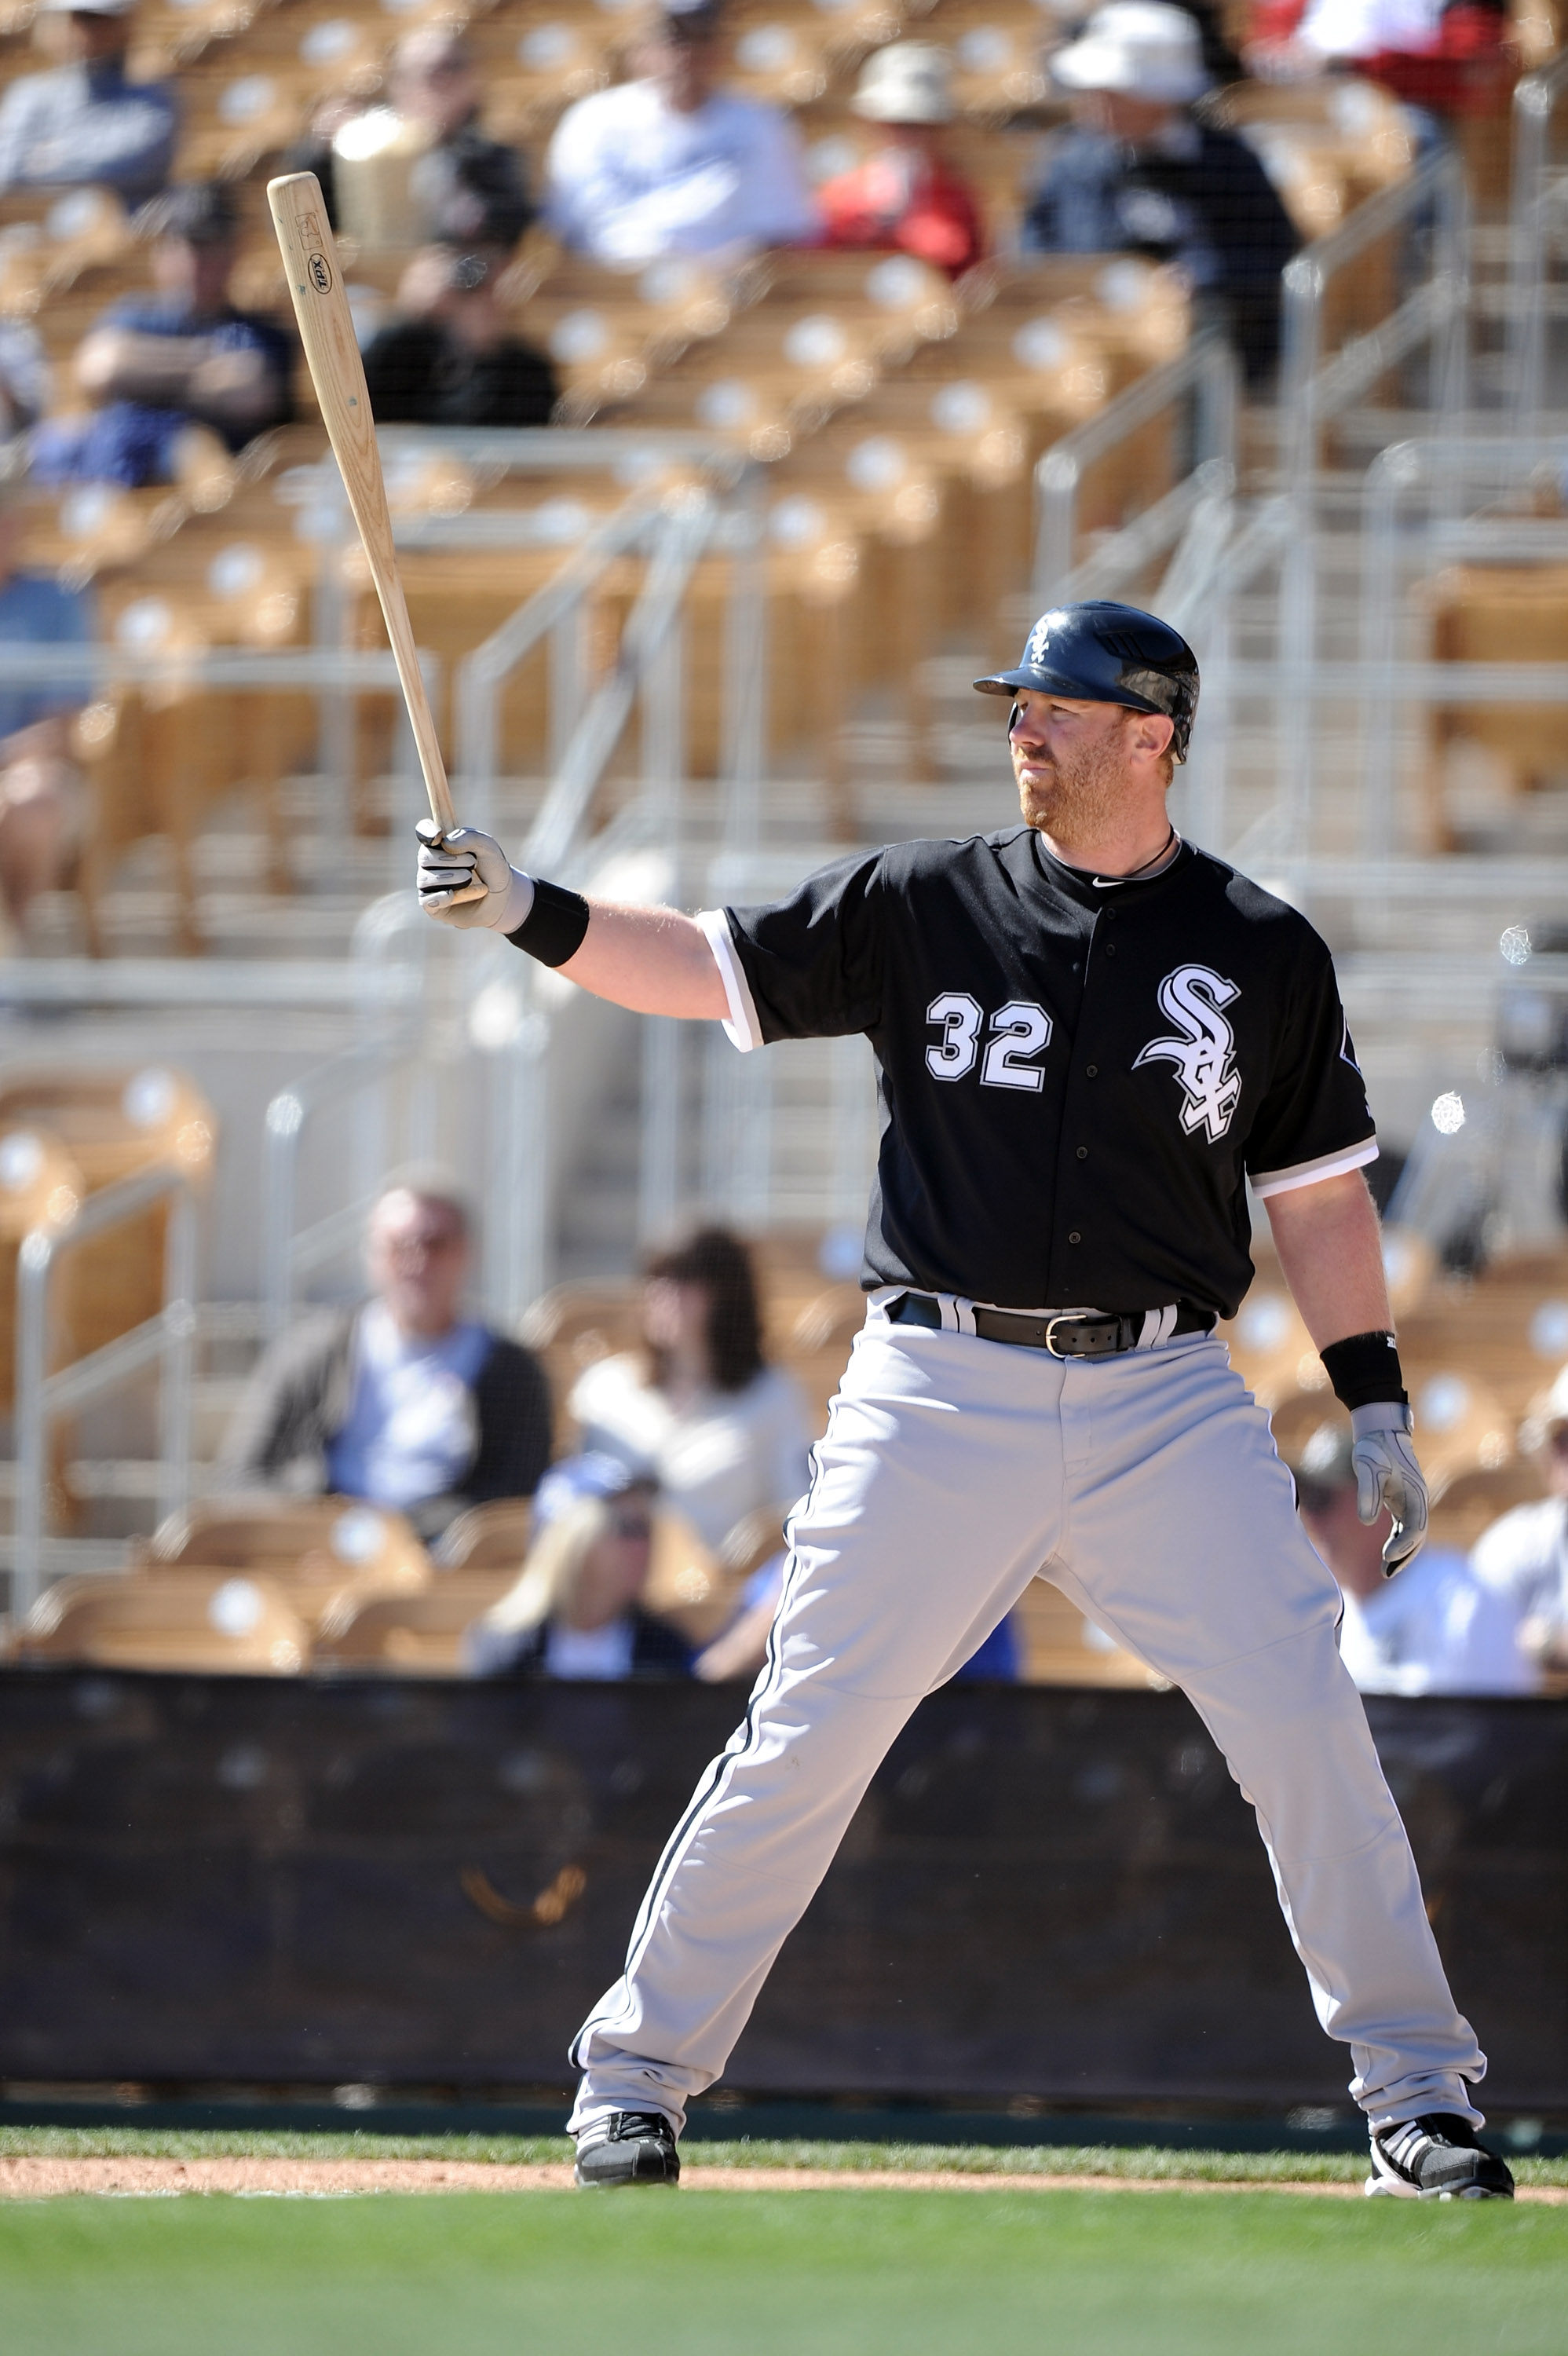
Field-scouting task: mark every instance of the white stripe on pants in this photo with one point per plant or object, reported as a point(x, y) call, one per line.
point(1148, 1489)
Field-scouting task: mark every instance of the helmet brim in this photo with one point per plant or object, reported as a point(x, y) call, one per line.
point(1055, 683)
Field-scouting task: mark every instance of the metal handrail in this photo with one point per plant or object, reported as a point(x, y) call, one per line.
point(287, 1253)
point(1403, 467)
point(168, 1337)
point(482, 674)
point(1535, 100)
point(1310, 391)
point(1207, 368)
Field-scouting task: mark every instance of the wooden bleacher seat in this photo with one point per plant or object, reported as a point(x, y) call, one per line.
point(1060, 1648)
point(1496, 613)
point(1473, 1501)
point(314, 1550)
point(81, 231)
point(41, 1186)
point(490, 1537)
point(216, 1622)
point(408, 1635)
point(1461, 1427)
point(113, 1125)
point(1509, 1328)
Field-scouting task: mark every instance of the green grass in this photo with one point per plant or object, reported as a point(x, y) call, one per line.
point(810, 2273)
point(961, 2159)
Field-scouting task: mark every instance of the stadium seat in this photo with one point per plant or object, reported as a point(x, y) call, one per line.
point(313, 1550)
point(1496, 613)
point(217, 1621)
point(408, 1635)
point(1060, 1648)
point(41, 1186)
point(112, 1125)
point(490, 1538)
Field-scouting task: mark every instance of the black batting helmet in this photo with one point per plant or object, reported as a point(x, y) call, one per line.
point(1100, 652)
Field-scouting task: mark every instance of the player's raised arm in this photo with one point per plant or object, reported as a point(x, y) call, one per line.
point(654, 960)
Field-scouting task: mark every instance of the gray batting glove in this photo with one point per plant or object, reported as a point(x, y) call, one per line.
point(1388, 1474)
point(466, 879)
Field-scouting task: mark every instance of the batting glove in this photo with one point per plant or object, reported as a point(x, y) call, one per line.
point(1388, 1474)
point(466, 879)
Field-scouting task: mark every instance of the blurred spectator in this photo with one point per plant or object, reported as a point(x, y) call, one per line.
point(450, 356)
point(184, 356)
point(85, 123)
point(453, 185)
point(1447, 56)
point(1523, 1557)
point(24, 387)
point(1434, 1627)
point(1138, 172)
point(723, 1433)
point(904, 194)
point(402, 1401)
point(671, 164)
point(576, 1610)
point(41, 793)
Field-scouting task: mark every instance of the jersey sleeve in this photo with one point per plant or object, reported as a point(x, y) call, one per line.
point(807, 967)
point(1315, 1121)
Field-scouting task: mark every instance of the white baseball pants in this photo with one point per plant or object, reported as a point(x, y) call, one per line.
point(1146, 1487)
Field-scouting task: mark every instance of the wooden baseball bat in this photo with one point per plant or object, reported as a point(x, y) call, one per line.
point(332, 355)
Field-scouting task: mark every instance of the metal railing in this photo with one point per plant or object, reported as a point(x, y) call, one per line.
point(1536, 202)
point(1205, 375)
point(1313, 387)
point(167, 1339)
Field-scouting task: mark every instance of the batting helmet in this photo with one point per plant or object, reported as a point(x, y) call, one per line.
point(1100, 652)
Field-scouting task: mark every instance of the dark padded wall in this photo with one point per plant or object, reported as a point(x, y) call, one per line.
point(1047, 1892)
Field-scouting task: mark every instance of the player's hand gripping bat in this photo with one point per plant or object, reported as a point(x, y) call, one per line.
point(332, 354)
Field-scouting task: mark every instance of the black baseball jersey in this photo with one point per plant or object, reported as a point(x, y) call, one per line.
point(1076, 1078)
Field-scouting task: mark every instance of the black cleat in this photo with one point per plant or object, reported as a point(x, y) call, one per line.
point(1437, 2158)
point(628, 2148)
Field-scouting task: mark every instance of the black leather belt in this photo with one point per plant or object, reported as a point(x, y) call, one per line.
point(1067, 1336)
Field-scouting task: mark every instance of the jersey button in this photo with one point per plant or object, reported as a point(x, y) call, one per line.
point(1084, 1153)
point(1093, 1070)
point(1074, 1238)
point(1110, 949)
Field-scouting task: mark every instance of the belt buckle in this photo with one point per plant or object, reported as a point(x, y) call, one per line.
point(1050, 1325)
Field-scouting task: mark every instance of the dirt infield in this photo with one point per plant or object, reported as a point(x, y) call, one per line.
point(41, 2178)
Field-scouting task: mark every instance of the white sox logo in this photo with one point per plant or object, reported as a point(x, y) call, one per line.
point(1204, 1055)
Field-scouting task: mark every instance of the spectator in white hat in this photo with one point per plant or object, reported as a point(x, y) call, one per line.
point(1523, 1557)
point(670, 163)
point(905, 197)
point(1138, 171)
point(85, 123)
point(1436, 1628)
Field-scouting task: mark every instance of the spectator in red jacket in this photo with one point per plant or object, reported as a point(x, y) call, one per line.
point(905, 197)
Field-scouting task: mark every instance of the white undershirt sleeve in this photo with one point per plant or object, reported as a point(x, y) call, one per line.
point(742, 1026)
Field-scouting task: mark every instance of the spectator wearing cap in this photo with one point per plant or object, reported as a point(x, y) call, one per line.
point(462, 188)
point(1523, 1557)
point(85, 123)
point(576, 1610)
point(1446, 58)
point(1435, 1627)
point(1138, 171)
point(41, 796)
point(449, 356)
point(403, 1401)
point(184, 356)
point(905, 197)
point(671, 164)
point(698, 1409)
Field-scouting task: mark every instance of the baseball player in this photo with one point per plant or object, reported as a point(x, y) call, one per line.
point(1089, 1036)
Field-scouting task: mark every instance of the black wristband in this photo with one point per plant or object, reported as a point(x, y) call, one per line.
point(1365, 1370)
point(553, 929)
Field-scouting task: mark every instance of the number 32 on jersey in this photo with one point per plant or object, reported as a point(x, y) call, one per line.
point(1020, 1031)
